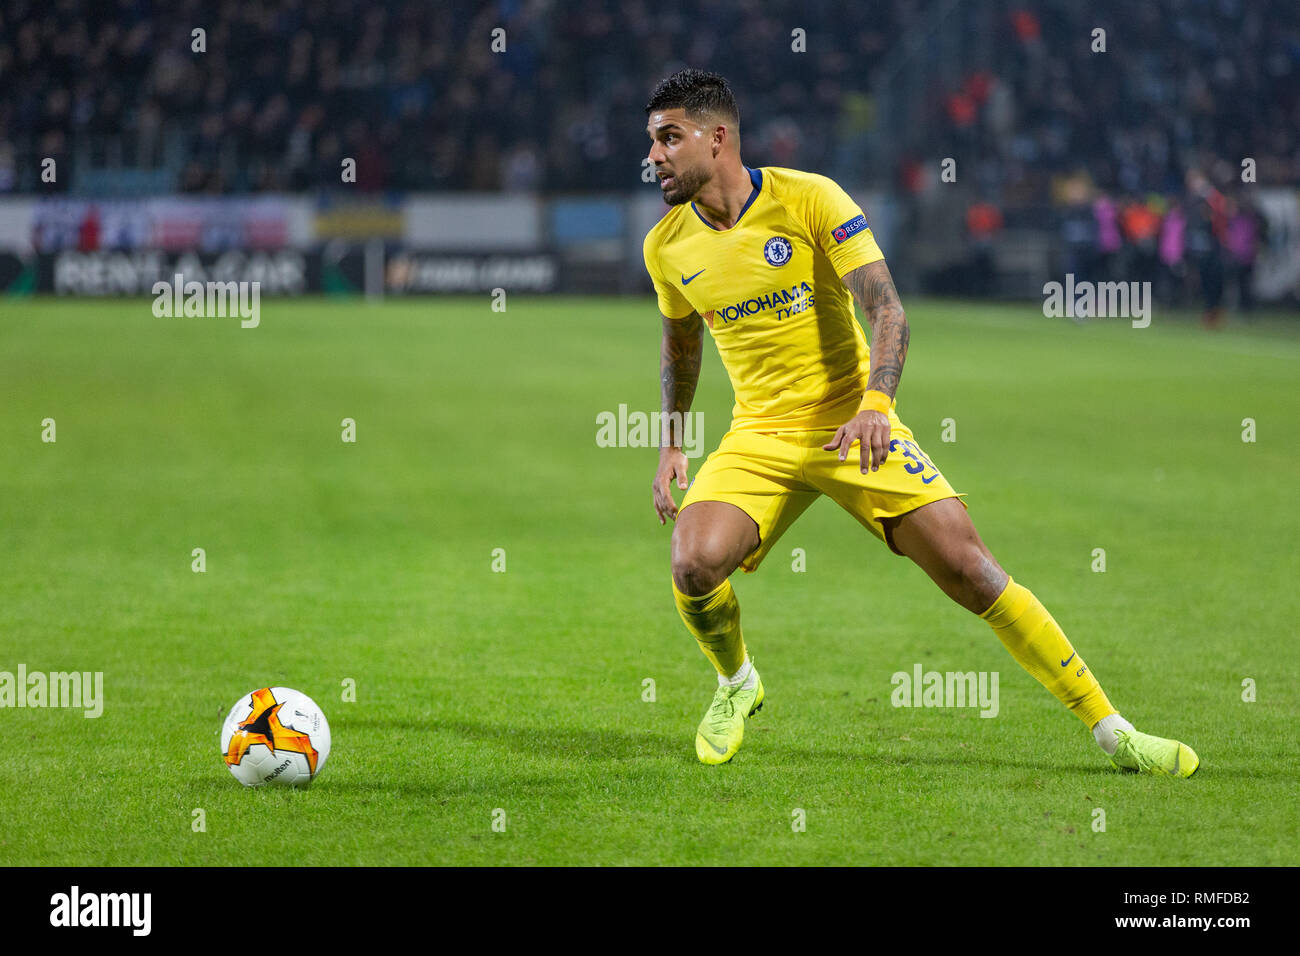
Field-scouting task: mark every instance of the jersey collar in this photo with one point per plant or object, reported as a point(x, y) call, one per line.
point(755, 177)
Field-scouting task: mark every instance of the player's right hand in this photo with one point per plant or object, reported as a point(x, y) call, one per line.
point(672, 464)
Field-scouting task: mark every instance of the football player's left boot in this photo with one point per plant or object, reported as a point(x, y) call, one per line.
point(1143, 753)
point(723, 728)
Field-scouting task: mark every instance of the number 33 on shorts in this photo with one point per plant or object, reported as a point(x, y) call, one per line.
point(917, 463)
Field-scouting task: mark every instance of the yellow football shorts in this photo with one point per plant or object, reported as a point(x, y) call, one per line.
point(774, 476)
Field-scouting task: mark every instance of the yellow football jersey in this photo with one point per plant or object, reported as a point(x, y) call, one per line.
point(769, 288)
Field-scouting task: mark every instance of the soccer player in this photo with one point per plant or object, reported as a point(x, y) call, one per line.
point(771, 260)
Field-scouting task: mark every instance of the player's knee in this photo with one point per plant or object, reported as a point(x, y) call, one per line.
point(698, 570)
point(980, 580)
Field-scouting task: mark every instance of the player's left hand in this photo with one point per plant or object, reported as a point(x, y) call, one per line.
point(872, 430)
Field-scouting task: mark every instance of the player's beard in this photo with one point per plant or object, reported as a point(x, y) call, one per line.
point(686, 186)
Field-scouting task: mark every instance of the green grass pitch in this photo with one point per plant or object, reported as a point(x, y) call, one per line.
point(522, 691)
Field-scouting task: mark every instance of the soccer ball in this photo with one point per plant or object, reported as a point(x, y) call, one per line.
point(275, 736)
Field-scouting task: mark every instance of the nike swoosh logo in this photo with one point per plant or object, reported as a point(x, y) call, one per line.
point(686, 281)
point(926, 481)
point(716, 749)
point(1176, 754)
point(1068, 659)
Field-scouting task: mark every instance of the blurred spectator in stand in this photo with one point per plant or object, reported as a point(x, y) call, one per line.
point(1110, 242)
point(1078, 228)
point(1245, 232)
point(983, 222)
point(1205, 227)
point(1173, 274)
point(8, 170)
point(88, 233)
point(1140, 225)
point(521, 170)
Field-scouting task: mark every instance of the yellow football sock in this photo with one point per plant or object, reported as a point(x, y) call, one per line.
point(1039, 645)
point(714, 619)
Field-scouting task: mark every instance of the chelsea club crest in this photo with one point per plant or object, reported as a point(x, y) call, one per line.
point(777, 251)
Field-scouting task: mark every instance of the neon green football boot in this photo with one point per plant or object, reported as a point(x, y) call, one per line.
point(720, 732)
point(1143, 753)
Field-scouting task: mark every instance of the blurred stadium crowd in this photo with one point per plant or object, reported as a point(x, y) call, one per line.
point(287, 86)
point(1133, 152)
point(1140, 149)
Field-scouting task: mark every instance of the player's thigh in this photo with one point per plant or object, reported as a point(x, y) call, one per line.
point(941, 538)
point(906, 481)
point(710, 540)
point(744, 497)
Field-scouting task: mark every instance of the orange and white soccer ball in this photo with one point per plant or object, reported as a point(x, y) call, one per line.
point(275, 736)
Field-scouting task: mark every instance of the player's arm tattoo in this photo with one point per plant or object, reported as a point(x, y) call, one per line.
point(679, 372)
point(873, 287)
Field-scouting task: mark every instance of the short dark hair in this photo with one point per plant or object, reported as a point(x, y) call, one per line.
point(698, 92)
